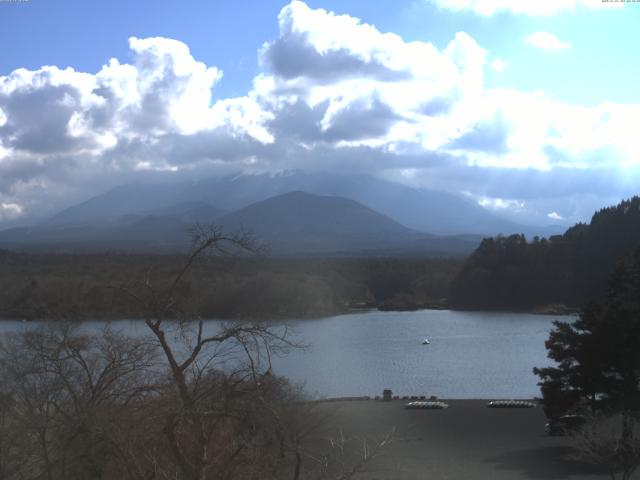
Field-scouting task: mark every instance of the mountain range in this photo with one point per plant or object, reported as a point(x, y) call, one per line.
point(295, 212)
point(420, 209)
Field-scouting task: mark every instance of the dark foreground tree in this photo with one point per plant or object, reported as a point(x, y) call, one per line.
point(597, 355)
point(598, 364)
point(571, 269)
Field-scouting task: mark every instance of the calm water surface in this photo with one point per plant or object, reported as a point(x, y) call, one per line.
point(471, 354)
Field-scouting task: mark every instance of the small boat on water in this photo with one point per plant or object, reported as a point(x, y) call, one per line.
point(426, 341)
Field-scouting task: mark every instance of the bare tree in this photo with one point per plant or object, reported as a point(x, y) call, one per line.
point(605, 442)
point(190, 400)
point(64, 390)
point(212, 407)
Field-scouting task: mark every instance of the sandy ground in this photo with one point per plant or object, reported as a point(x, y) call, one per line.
point(465, 441)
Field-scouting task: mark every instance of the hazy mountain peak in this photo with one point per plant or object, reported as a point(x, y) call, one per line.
point(418, 209)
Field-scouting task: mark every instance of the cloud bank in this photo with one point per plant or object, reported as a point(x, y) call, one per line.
point(522, 7)
point(334, 94)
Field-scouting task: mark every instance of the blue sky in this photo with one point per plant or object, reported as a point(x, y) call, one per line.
point(602, 64)
point(471, 96)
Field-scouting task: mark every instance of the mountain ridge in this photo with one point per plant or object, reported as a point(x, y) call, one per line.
point(292, 223)
point(427, 211)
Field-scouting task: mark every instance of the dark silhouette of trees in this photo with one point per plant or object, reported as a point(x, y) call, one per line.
point(598, 368)
point(570, 269)
point(38, 286)
point(597, 355)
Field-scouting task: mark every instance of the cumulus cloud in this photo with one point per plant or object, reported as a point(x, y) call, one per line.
point(524, 7)
point(499, 65)
point(362, 85)
point(334, 93)
point(546, 41)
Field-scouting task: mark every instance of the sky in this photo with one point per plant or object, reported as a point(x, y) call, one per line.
point(527, 107)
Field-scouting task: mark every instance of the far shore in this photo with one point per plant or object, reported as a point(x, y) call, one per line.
point(541, 310)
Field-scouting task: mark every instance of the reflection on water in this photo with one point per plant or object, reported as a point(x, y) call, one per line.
point(471, 354)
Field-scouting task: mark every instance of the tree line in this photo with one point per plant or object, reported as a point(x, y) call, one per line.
point(34, 286)
point(514, 273)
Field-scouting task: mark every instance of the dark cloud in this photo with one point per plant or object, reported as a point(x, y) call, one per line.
point(490, 137)
point(437, 106)
point(299, 121)
point(293, 56)
point(361, 119)
point(101, 116)
point(38, 119)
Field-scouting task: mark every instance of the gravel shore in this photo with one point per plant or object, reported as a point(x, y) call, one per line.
point(465, 441)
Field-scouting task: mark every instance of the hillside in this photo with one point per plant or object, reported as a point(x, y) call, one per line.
point(419, 209)
point(289, 224)
point(570, 269)
point(300, 221)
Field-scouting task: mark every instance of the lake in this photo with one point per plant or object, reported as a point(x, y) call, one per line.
point(471, 354)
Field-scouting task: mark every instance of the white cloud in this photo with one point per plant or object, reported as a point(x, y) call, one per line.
point(501, 203)
point(555, 216)
point(10, 211)
point(331, 78)
point(334, 93)
point(524, 7)
point(499, 65)
point(546, 41)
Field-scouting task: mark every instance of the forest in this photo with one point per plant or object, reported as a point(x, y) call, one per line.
point(89, 286)
point(511, 273)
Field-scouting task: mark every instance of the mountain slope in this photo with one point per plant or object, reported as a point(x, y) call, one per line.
point(292, 223)
point(126, 232)
point(189, 212)
point(300, 212)
point(422, 210)
point(300, 221)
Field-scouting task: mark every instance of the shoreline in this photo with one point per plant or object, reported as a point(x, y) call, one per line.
point(313, 316)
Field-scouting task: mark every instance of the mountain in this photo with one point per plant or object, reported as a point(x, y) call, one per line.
point(570, 269)
point(291, 223)
point(126, 232)
point(418, 209)
point(300, 213)
point(188, 212)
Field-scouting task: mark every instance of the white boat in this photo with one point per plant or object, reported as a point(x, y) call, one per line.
point(426, 341)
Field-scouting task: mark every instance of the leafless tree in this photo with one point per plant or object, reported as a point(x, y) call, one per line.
point(189, 400)
point(63, 391)
point(218, 377)
point(605, 442)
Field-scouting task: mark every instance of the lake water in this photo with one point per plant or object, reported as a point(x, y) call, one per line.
point(471, 354)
